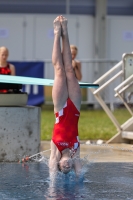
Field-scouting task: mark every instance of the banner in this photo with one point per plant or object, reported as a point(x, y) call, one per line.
point(31, 69)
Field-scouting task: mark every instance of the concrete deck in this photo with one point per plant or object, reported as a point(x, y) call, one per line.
point(101, 153)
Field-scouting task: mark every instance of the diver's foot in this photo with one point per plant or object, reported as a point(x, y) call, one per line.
point(57, 26)
point(63, 22)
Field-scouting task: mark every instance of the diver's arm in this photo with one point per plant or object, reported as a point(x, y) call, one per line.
point(52, 165)
point(54, 159)
point(77, 162)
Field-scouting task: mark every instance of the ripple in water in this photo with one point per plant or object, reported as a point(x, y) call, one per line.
point(99, 181)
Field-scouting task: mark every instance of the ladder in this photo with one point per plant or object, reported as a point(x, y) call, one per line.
point(125, 67)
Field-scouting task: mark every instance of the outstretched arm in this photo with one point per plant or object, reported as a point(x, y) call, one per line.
point(54, 159)
point(52, 165)
point(77, 162)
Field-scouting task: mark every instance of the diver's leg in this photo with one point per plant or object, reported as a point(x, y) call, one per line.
point(60, 91)
point(74, 91)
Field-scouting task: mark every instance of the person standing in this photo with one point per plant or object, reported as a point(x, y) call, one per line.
point(76, 64)
point(5, 67)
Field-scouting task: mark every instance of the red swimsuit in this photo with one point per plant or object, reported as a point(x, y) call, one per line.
point(65, 132)
point(6, 71)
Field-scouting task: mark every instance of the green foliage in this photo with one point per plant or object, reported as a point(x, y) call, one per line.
point(93, 124)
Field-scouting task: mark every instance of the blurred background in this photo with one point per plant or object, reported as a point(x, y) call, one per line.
point(101, 29)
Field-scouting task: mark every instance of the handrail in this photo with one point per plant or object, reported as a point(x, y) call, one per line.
point(89, 60)
point(123, 83)
point(107, 82)
point(108, 73)
point(124, 88)
point(98, 61)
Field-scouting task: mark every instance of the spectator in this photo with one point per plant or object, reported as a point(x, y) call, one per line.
point(75, 63)
point(5, 67)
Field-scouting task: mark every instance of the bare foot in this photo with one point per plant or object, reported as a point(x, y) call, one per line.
point(63, 22)
point(57, 26)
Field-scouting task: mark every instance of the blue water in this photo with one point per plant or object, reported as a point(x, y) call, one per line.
point(102, 181)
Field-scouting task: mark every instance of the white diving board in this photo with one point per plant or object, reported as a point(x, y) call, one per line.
point(37, 81)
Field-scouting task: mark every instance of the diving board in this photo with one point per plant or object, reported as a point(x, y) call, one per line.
point(38, 81)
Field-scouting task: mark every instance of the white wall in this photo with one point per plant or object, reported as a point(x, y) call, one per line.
point(30, 37)
point(13, 37)
point(119, 36)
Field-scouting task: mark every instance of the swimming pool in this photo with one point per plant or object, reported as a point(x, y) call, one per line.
point(102, 181)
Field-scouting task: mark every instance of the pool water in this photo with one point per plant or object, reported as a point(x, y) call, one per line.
point(102, 181)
